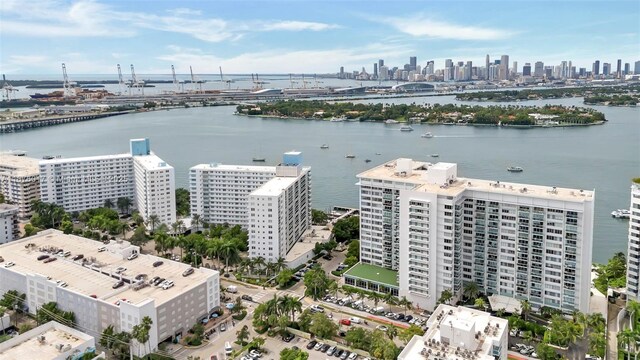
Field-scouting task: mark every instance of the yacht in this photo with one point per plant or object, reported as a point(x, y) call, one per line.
point(324, 146)
point(515, 169)
point(427, 135)
point(621, 214)
point(390, 121)
point(406, 128)
point(367, 160)
point(338, 119)
point(259, 159)
point(435, 155)
point(350, 156)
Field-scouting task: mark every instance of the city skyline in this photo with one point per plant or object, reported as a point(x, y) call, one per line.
point(92, 36)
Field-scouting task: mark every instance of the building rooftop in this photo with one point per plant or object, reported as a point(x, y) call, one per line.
point(8, 208)
point(18, 165)
point(63, 160)
point(374, 274)
point(222, 167)
point(274, 186)
point(419, 171)
point(152, 162)
point(48, 341)
point(95, 273)
point(457, 333)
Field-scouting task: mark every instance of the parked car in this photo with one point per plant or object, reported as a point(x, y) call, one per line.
point(338, 353)
point(167, 285)
point(42, 257)
point(353, 356)
point(345, 354)
point(120, 270)
point(327, 257)
point(331, 350)
point(408, 318)
point(399, 317)
point(188, 272)
point(355, 320)
point(316, 308)
point(345, 322)
point(77, 257)
point(153, 280)
point(102, 248)
point(157, 263)
point(318, 346)
point(223, 327)
point(118, 284)
point(132, 256)
point(288, 337)
point(390, 315)
point(159, 281)
point(47, 260)
point(311, 344)
point(325, 348)
point(246, 297)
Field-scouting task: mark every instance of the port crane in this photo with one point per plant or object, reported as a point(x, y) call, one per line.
point(121, 83)
point(256, 81)
point(291, 81)
point(304, 82)
point(7, 88)
point(67, 84)
point(315, 78)
point(194, 81)
point(228, 81)
point(176, 83)
point(135, 82)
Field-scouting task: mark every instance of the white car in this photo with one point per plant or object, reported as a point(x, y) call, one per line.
point(9, 264)
point(316, 308)
point(167, 284)
point(355, 320)
point(132, 256)
point(120, 270)
point(382, 328)
point(102, 248)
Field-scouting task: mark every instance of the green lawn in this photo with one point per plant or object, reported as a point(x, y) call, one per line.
point(374, 273)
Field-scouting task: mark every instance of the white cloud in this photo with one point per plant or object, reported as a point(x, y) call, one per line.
point(88, 18)
point(423, 26)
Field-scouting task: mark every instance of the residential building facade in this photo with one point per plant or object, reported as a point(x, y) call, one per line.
point(440, 231)
point(9, 229)
point(633, 259)
point(19, 181)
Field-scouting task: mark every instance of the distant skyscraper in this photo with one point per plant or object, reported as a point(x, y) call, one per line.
point(619, 69)
point(570, 73)
point(526, 69)
point(606, 69)
point(583, 72)
point(627, 68)
point(429, 69)
point(487, 68)
point(596, 68)
point(413, 62)
point(448, 70)
point(514, 70)
point(375, 70)
point(636, 68)
point(341, 72)
point(467, 70)
point(384, 73)
point(504, 64)
point(538, 69)
point(380, 63)
point(548, 72)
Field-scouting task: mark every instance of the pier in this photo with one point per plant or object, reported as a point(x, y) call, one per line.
point(20, 125)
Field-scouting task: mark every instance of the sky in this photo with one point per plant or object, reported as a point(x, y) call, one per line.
point(267, 37)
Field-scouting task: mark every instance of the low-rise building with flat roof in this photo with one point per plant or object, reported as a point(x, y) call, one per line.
point(19, 181)
point(102, 287)
point(50, 341)
point(460, 333)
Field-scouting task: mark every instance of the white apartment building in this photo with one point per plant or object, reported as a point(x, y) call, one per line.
point(19, 181)
point(220, 193)
point(459, 333)
point(633, 259)
point(50, 341)
point(86, 286)
point(440, 231)
point(9, 229)
point(280, 212)
point(84, 183)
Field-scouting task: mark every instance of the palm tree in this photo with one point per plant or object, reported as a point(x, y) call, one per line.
point(408, 305)
point(107, 338)
point(137, 218)
point(470, 290)
point(174, 228)
point(271, 268)
point(445, 296)
point(480, 303)
point(140, 332)
point(259, 262)
point(124, 203)
point(625, 338)
point(633, 308)
point(375, 297)
point(290, 304)
point(230, 253)
point(108, 204)
point(333, 288)
point(525, 308)
point(392, 332)
point(124, 227)
point(242, 335)
point(348, 291)
point(154, 221)
point(281, 264)
point(196, 221)
point(57, 212)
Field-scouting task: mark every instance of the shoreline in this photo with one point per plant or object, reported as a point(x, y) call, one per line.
point(430, 123)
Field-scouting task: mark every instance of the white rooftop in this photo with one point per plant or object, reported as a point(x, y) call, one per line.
point(97, 279)
point(18, 165)
point(459, 328)
point(222, 167)
point(274, 186)
point(8, 208)
point(152, 162)
point(44, 342)
point(63, 160)
point(389, 172)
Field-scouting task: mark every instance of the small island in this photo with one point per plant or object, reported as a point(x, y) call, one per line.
point(611, 96)
point(446, 114)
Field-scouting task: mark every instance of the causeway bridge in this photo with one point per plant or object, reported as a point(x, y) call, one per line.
point(20, 125)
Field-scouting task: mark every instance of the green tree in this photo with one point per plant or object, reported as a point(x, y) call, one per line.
point(242, 335)
point(107, 339)
point(480, 303)
point(613, 274)
point(406, 304)
point(124, 204)
point(358, 337)
point(196, 221)
point(182, 202)
point(597, 344)
point(525, 308)
point(354, 249)
point(546, 352)
point(375, 297)
point(108, 204)
point(316, 282)
point(139, 237)
point(391, 332)
point(50, 311)
point(30, 230)
point(319, 217)
point(407, 334)
point(347, 229)
point(626, 338)
point(293, 354)
point(470, 290)
point(322, 326)
point(140, 332)
point(153, 221)
point(445, 297)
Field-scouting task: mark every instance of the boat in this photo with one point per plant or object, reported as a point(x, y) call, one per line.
point(435, 155)
point(390, 121)
point(350, 156)
point(515, 169)
point(338, 119)
point(621, 214)
point(367, 160)
point(427, 135)
point(406, 128)
point(378, 154)
point(259, 159)
point(324, 146)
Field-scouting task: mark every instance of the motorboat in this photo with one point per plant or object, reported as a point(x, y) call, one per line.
point(621, 214)
point(435, 155)
point(350, 156)
point(367, 160)
point(516, 169)
point(427, 135)
point(259, 159)
point(406, 128)
point(390, 121)
point(324, 146)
